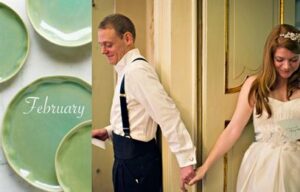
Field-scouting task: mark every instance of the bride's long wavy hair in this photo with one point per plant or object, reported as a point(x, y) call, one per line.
point(267, 79)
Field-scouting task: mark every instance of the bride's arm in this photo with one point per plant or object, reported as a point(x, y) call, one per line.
point(232, 132)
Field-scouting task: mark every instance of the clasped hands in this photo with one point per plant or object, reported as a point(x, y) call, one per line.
point(189, 176)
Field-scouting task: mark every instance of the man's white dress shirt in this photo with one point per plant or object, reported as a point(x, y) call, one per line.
point(148, 105)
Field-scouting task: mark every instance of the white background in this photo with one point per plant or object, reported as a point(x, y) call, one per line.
point(44, 59)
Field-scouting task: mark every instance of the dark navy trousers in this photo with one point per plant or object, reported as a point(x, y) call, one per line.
point(137, 166)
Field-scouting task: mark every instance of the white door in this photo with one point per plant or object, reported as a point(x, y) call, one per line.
point(234, 33)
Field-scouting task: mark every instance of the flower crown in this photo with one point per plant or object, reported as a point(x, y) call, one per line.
point(292, 36)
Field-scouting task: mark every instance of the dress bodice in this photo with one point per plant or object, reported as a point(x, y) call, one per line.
point(283, 127)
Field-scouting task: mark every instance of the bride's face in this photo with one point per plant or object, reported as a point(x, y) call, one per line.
point(286, 62)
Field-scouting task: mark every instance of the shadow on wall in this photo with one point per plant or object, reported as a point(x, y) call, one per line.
point(70, 55)
point(102, 168)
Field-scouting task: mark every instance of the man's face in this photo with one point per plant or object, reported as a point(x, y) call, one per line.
point(111, 45)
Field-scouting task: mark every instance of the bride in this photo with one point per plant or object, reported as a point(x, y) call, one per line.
point(272, 162)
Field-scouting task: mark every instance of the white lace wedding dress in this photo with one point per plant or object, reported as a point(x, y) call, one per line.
point(272, 162)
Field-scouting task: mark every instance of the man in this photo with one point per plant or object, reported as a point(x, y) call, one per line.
point(139, 105)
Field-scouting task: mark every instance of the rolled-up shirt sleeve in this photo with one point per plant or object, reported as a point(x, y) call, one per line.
point(149, 92)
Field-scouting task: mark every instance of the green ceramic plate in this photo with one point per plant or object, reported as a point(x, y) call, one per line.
point(73, 159)
point(36, 120)
point(14, 43)
point(62, 22)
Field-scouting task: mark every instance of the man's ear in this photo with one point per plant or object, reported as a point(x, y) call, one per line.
point(128, 38)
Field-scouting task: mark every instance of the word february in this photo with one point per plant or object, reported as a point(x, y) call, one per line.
point(35, 104)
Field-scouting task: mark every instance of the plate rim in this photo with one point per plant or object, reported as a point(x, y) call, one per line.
point(24, 59)
point(70, 133)
point(33, 24)
point(3, 143)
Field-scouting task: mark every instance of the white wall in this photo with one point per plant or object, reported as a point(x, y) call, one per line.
point(44, 59)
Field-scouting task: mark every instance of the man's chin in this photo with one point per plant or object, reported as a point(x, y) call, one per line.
point(111, 62)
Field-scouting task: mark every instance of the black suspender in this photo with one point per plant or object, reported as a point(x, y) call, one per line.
point(123, 104)
point(124, 111)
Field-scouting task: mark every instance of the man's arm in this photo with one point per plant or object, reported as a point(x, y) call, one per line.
point(145, 84)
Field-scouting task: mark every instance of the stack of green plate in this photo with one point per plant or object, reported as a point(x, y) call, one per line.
point(65, 23)
point(37, 126)
point(14, 46)
point(73, 159)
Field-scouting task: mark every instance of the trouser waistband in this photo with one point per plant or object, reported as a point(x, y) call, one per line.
point(128, 148)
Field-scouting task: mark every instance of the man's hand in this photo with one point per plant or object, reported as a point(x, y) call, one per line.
point(101, 134)
point(186, 174)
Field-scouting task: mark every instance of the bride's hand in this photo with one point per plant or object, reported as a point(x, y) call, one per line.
point(200, 173)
